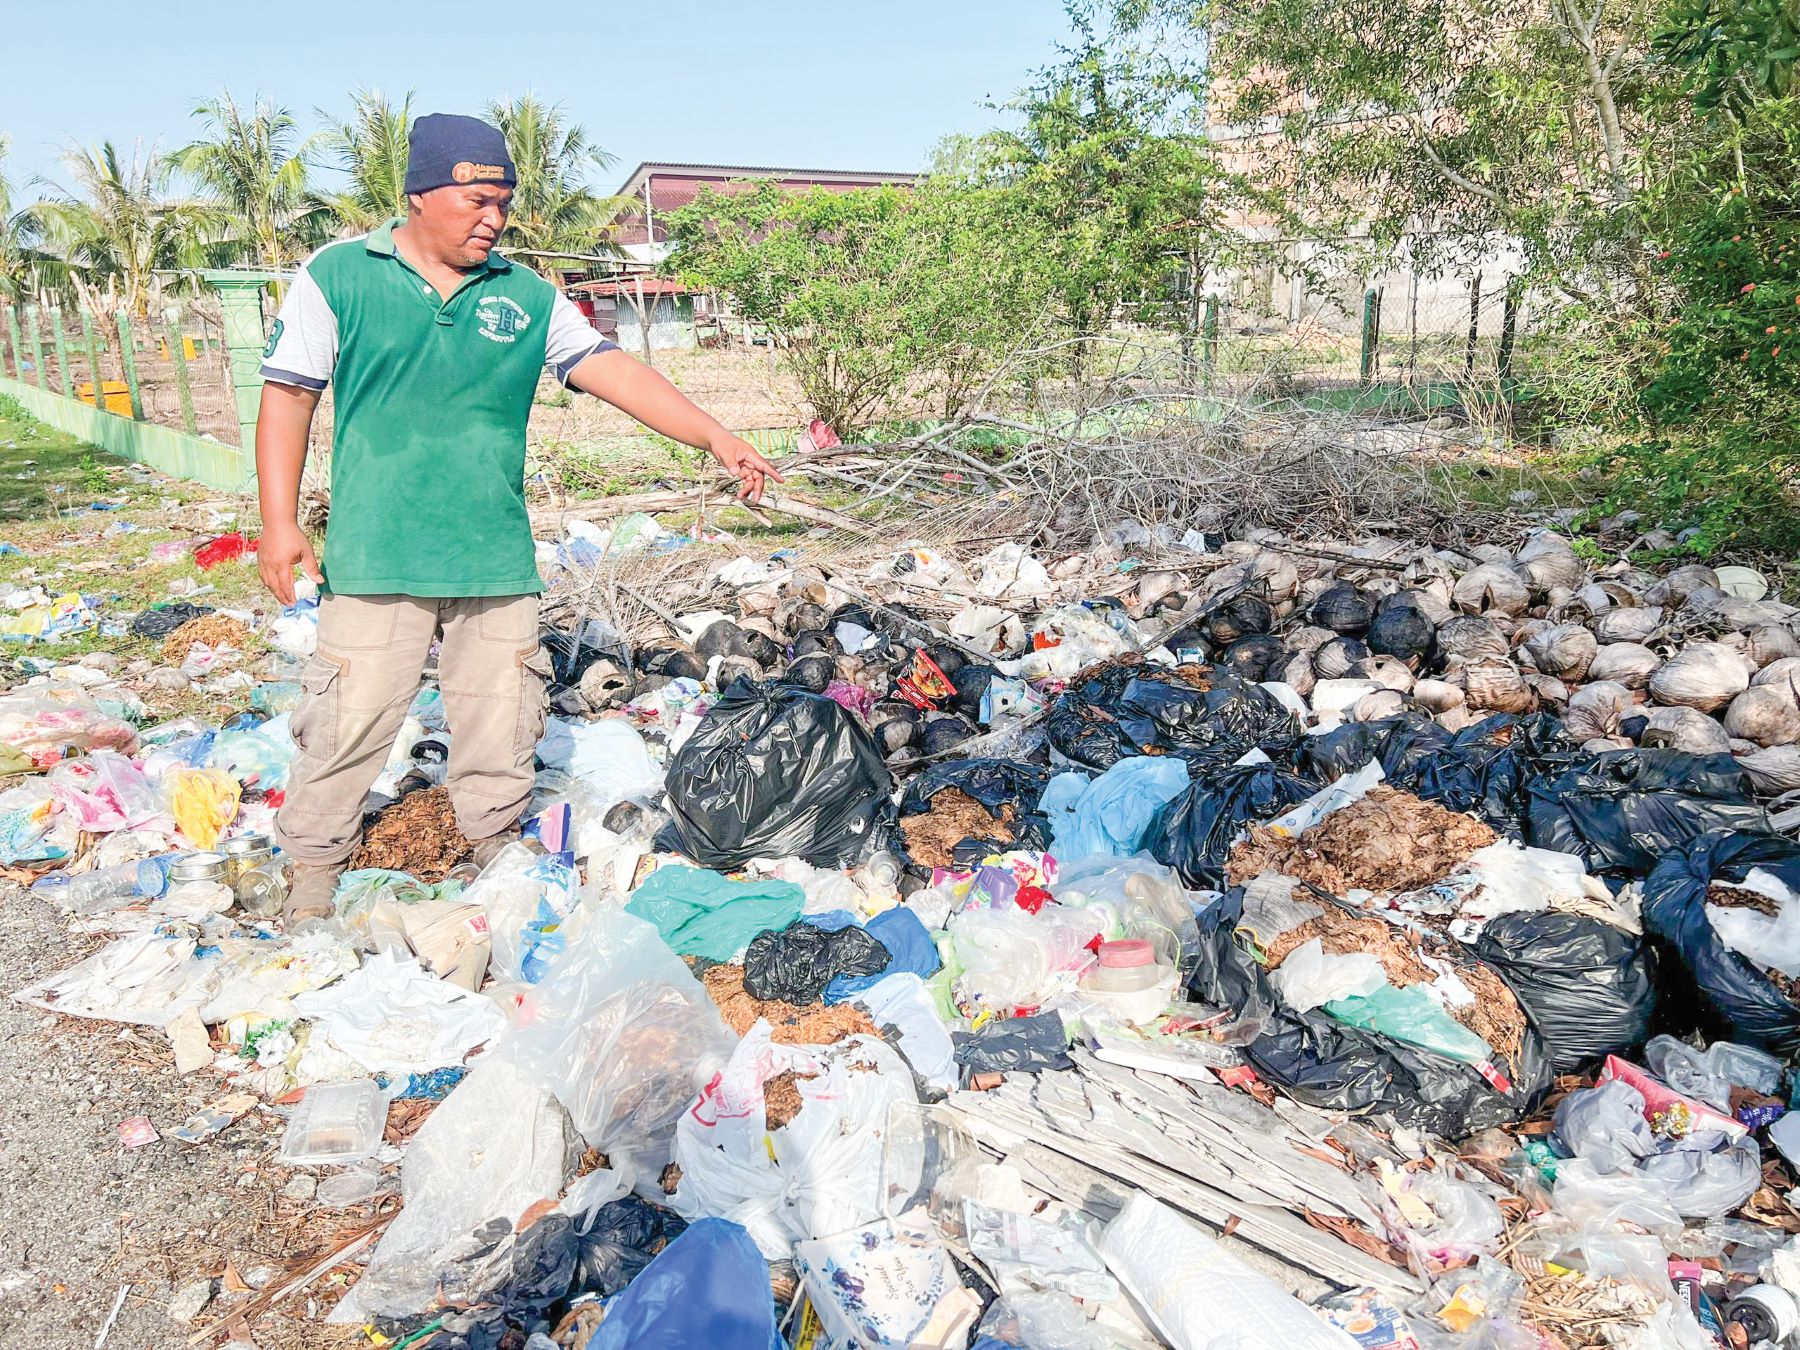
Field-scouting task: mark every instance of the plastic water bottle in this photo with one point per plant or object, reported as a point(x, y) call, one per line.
point(105, 884)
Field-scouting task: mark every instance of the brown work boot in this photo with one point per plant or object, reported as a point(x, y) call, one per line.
point(310, 888)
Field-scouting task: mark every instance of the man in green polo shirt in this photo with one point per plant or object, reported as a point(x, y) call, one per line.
point(434, 344)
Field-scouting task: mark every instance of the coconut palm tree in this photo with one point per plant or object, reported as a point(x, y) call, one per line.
point(25, 268)
point(555, 210)
point(254, 168)
point(119, 228)
point(371, 150)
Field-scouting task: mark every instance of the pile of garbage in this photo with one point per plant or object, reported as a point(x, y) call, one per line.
point(1201, 943)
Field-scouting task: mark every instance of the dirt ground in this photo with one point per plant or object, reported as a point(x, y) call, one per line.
point(84, 1216)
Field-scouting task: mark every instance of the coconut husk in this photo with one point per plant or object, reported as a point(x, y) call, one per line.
point(951, 817)
point(1389, 841)
point(814, 1024)
point(781, 1098)
point(1736, 897)
point(1341, 933)
point(417, 835)
point(215, 630)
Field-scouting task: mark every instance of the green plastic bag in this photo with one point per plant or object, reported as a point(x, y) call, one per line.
point(1413, 1016)
point(701, 913)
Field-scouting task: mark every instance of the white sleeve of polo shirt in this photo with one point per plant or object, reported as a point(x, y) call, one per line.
point(303, 347)
point(572, 338)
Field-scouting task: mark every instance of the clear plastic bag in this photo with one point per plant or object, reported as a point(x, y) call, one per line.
point(1310, 977)
point(105, 792)
point(1587, 1198)
point(1011, 958)
point(528, 896)
point(1606, 1126)
point(259, 754)
point(1710, 1074)
point(48, 722)
point(621, 1031)
point(203, 802)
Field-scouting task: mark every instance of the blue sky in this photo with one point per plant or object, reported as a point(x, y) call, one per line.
point(856, 84)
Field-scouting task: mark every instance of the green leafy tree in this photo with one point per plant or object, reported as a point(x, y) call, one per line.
point(254, 168)
point(370, 148)
point(25, 268)
point(118, 227)
point(884, 302)
point(556, 211)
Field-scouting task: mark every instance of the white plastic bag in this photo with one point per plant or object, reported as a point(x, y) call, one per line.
point(1310, 977)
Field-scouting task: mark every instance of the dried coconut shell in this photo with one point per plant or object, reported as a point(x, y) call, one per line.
point(1469, 638)
point(1334, 660)
point(1563, 650)
point(1546, 561)
point(1437, 696)
point(1308, 639)
point(1390, 672)
point(1297, 673)
point(1628, 663)
point(1497, 686)
point(1459, 718)
point(1764, 714)
point(1637, 624)
point(1381, 704)
point(1770, 642)
point(1703, 675)
point(1596, 709)
point(1774, 770)
point(1490, 588)
point(1675, 586)
point(1686, 729)
point(1784, 673)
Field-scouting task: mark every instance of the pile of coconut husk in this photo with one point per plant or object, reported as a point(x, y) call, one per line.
point(417, 834)
point(1389, 841)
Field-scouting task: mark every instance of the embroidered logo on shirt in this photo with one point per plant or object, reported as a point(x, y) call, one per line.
point(273, 342)
point(500, 318)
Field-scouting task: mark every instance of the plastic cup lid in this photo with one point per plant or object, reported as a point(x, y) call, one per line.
point(1127, 952)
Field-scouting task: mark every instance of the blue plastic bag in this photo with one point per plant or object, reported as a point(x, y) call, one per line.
point(709, 1287)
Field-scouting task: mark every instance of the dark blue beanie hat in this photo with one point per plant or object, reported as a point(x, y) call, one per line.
point(448, 149)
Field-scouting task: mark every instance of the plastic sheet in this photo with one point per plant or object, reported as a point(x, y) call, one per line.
point(609, 755)
point(392, 1017)
point(1708, 982)
point(775, 771)
point(1710, 1075)
point(1586, 984)
point(1606, 1126)
point(1199, 1295)
point(258, 755)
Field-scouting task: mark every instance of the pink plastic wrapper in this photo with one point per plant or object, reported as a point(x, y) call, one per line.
point(851, 696)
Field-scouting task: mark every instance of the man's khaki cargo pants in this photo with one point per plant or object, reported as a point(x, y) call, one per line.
point(356, 691)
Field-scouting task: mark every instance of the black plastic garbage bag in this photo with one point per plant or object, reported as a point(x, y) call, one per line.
point(1193, 832)
point(1325, 1063)
point(165, 619)
point(1587, 985)
point(1713, 985)
point(995, 783)
point(1482, 769)
point(773, 772)
point(518, 1288)
point(1130, 709)
point(1034, 1044)
point(795, 964)
point(1622, 810)
point(626, 1236)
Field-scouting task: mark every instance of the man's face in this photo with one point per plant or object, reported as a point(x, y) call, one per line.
point(464, 221)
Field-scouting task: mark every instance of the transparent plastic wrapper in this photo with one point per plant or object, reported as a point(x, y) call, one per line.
point(528, 897)
point(1587, 1198)
point(203, 802)
point(1710, 1074)
point(260, 754)
point(928, 1159)
point(609, 756)
point(1045, 1320)
point(105, 791)
point(1704, 1176)
point(1198, 1294)
point(31, 828)
point(1467, 1223)
point(624, 1036)
point(49, 722)
point(1014, 959)
point(496, 1146)
point(1606, 1126)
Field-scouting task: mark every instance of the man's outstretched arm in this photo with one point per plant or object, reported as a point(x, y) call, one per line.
point(634, 388)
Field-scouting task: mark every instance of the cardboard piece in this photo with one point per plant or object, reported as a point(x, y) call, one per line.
point(187, 1033)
